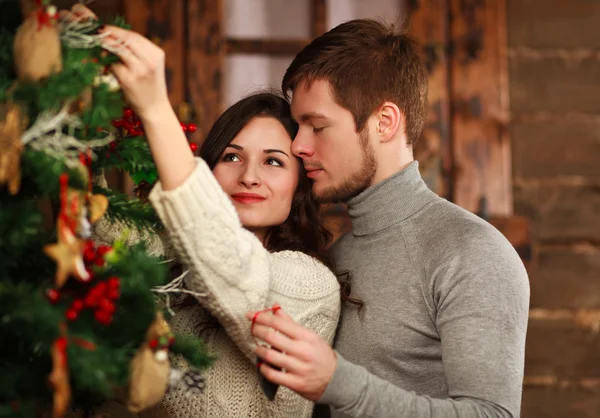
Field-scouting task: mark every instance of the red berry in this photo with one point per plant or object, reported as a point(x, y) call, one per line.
point(89, 254)
point(191, 127)
point(103, 249)
point(72, 314)
point(171, 340)
point(90, 301)
point(113, 282)
point(53, 295)
point(137, 132)
point(127, 113)
point(107, 155)
point(193, 146)
point(107, 306)
point(103, 317)
point(61, 343)
point(100, 288)
point(113, 294)
point(112, 146)
point(153, 343)
point(117, 123)
point(99, 261)
point(184, 127)
point(77, 305)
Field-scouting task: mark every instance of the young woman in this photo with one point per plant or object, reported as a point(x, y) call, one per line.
point(243, 222)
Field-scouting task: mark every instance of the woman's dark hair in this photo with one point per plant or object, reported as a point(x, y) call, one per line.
point(303, 230)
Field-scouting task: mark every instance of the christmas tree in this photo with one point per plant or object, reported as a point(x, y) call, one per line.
point(79, 321)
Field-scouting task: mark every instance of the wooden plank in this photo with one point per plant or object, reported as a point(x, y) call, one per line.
point(539, 148)
point(205, 62)
point(429, 26)
point(162, 21)
point(265, 46)
point(561, 83)
point(564, 344)
point(479, 92)
point(558, 23)
point(318, 13)
point(566, 277)
point(560, 402)
point(561, 212)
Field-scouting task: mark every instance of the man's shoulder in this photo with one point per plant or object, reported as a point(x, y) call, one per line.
point(446, 229)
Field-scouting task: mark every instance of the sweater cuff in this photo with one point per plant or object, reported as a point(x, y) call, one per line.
point(199, 193)
point(344, 388)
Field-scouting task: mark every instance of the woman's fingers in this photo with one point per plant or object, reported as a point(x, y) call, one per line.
point(80, 10)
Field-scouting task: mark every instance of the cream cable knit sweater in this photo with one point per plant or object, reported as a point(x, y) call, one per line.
point(231, 266)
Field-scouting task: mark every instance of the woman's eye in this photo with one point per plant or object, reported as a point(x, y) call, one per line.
point(230, 157)
point(317, 130)
point(275, 162)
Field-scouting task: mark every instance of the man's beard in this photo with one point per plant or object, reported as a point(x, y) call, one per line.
point(357, 181)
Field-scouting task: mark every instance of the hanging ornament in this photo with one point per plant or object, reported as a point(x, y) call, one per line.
point(67, 253)
point(36, 49)
point(150, 367)
point(59, 378)
point(12, 125)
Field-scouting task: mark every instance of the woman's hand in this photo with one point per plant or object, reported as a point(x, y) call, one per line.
point(141, 71)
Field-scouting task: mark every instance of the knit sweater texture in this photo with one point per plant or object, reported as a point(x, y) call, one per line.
point(236, 275)
point(442, 331)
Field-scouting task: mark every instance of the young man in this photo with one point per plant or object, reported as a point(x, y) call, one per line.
point(442, 329)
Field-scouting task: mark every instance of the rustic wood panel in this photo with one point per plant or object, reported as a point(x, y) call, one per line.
point(556, 146)
point(162, 21)
point(318, 16)
point(557, 84)
point(517, 229)
point(560, 402)
point(561, 212)
point(274, 47)
point(558, 23)
point(479, 92)
point(567, 277)
point(563, 345)
point(205, 60)
point(429, 26)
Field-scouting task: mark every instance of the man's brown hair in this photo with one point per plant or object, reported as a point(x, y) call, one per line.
point(366, 64)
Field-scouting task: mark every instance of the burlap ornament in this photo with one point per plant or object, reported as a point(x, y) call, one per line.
point(37, 50)
point(150, 368)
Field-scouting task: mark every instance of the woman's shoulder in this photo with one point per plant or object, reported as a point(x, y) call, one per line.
point(302, 275)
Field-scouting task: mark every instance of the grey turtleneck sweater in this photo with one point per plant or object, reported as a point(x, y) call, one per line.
point(442, 332)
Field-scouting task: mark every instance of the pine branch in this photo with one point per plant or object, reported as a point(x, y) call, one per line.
point(132, 212)
point(133, 156)
point(193, 350)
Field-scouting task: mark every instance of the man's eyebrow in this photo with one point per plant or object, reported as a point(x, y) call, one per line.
point(311, 115)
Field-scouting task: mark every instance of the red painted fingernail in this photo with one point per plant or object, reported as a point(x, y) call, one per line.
point(259, 364)
point(276, 307)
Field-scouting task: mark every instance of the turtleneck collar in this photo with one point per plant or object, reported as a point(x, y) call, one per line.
point(390, 201)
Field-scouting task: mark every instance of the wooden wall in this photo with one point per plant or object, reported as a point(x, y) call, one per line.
point(554, 61)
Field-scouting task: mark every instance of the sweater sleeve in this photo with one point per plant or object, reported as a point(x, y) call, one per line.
point(228, 266)
point(481, 316)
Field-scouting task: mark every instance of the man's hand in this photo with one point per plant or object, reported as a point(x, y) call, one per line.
point(307, 361)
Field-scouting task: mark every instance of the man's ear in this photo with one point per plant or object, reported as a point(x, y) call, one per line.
point(390, 121)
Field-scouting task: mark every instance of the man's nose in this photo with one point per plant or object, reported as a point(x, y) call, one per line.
point(303, 146)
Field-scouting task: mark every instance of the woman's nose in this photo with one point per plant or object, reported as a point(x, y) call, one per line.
point(249, 177)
